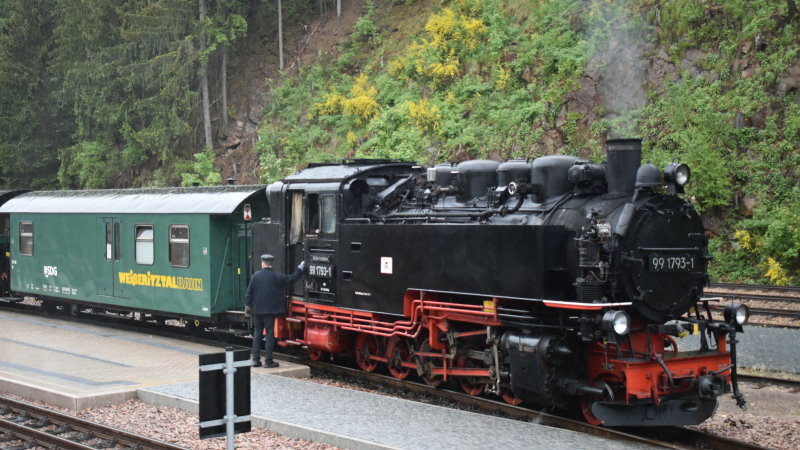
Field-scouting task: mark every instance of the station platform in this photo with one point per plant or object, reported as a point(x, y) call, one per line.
point(78, 366)
point(359, 420)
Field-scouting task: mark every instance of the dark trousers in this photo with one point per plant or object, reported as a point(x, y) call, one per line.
point(261, 322)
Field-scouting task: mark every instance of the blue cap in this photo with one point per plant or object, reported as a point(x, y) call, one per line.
point(267, 257)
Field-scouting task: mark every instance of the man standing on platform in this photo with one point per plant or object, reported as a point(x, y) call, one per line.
point(266, 300)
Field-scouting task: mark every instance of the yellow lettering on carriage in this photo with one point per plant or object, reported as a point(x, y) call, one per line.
point(148, 279)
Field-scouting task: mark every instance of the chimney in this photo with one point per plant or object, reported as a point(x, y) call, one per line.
point(624, 158)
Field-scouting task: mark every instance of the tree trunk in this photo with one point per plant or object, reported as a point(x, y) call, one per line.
point(338, 8)
point(204, 82)
point(224, 89)
point(792, 6)
point(280, 36)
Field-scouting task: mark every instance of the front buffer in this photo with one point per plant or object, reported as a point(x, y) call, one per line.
point(655, 384)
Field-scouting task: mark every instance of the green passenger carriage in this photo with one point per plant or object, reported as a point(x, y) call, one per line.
point(173, 252)
point(5, 252)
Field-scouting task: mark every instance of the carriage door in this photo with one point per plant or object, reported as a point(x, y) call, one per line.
point(242, 252)
point(320, 280)
point(294, 241)
point(110, 253)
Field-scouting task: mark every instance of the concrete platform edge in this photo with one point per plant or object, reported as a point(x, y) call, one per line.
point(283, 428)
point(293, 371)
point(73, 402)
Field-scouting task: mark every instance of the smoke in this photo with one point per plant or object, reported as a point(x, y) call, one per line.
point(617, 41)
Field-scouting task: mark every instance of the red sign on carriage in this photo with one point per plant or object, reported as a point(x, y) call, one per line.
point(247, 214)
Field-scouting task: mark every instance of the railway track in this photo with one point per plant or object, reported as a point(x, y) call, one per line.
point(781, 301)
point(25, 425)
point(755, 287)
point(665, 437)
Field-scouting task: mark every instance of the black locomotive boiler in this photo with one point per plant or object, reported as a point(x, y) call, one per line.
point(557, 281)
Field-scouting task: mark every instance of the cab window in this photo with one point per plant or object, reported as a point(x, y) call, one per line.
point(26, 238)
point(144, 244)
point(328, 206)
point(179, 245)
point(312, 214)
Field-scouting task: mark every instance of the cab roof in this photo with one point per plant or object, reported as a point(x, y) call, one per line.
point(325, 173)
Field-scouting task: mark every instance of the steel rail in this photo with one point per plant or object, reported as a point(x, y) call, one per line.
point(28, 412)
point(753, 287)
point(34, 437)
point(789, 383)
point(755, 297)
point(793, 313)
point(666, 437)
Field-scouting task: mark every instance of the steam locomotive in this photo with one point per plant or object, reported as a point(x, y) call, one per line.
point(557, 281)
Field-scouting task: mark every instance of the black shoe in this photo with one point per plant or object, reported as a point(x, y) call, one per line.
point(256, 363)
point(271, 365)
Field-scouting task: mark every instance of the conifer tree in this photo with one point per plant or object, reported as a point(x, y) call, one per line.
point(31, 127)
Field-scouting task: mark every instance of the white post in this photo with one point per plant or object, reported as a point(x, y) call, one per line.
point(230, 418)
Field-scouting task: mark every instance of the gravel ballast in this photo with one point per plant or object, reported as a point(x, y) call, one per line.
point(772, 420)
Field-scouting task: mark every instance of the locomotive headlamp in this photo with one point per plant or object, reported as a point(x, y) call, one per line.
point(617, 321)
point(519, 188)
point(738, 312)
point(677, 173)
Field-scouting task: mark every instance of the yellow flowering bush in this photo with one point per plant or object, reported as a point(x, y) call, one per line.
point(745, 239)
point(362, 106)
point(775, 272)
point(424, 115)
point(442, 27)
point(447, 69)
point(472, 31)
point(503, 77)
point(352, 139)
point(330, 106)
point(451, 34)
point(397, 67)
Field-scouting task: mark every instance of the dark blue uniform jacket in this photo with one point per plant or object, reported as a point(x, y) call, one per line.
point(266, 292)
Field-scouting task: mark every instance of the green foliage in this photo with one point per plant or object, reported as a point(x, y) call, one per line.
point(87, 77)
point(766, 248)
point(706, 124)
point(88, 164)
point(32, 127)
point(128, 85)
point(365, 29)
point(203, 171)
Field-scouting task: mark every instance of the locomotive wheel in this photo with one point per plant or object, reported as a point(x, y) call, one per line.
point(367, 345)
point(470, 385)
point(427, 362)
point(510, 398)
point(398, 351)
point(605, 382)
point(315, 354)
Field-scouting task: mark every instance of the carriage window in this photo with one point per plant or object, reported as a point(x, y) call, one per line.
point(179, 245)
point(108, 241)
point(117, 249)
point(26, 238)
point(296, 230)
point(328, 207)
point(116, 253)
point(312, 214)
point(144, 244)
